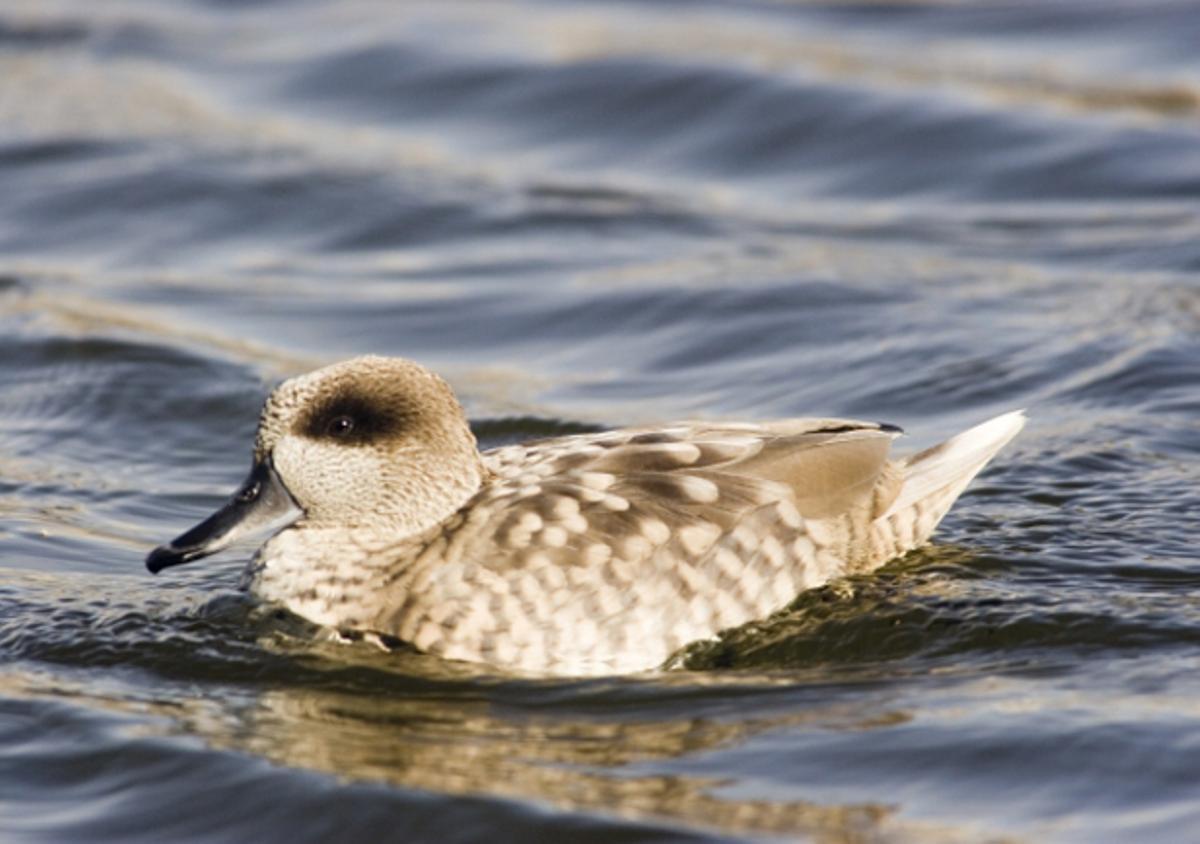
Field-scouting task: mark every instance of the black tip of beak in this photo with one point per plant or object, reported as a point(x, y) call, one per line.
point(165, 556)
point(262, 502)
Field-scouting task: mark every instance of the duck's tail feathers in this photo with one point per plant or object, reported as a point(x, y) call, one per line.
point(935, 477)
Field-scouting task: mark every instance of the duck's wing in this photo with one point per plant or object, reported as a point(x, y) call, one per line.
point(603, 487)
point(829, 465)
point(602, 553)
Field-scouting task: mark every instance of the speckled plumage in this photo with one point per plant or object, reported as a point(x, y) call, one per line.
point(589, 554)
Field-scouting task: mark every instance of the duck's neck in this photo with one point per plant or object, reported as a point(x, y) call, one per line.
point(440, 498)
point(330, 573)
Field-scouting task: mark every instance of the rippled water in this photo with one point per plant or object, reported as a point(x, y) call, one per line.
point(590, 214)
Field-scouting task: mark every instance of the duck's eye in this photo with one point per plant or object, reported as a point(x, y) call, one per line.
point(340, 426)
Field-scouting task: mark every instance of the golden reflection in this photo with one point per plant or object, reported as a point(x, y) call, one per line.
point(63, 311)
point(475, 745)
point(573, 763)
point(836, 55)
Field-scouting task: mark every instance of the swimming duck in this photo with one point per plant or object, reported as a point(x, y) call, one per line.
point(581, 555)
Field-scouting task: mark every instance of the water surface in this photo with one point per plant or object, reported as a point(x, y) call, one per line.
point(594, 214)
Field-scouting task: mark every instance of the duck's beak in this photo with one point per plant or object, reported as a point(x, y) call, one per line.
point(262, 502)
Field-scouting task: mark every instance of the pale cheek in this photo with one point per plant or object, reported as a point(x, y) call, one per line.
point(328, 482)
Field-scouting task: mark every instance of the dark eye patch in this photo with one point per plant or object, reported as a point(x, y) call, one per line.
point(352, 419)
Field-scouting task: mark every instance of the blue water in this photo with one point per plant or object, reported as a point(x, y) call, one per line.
point(588, 214)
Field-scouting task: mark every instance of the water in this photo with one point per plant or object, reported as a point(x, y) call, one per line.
point(591, 214)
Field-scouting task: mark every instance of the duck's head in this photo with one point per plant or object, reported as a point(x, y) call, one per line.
point(370, 443)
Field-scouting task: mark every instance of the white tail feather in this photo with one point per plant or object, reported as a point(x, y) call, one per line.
point(943, 471)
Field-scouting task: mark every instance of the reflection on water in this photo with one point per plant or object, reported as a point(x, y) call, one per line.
point(458, 746)
point(570, 764)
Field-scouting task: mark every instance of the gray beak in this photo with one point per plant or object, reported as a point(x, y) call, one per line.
point(262, 502)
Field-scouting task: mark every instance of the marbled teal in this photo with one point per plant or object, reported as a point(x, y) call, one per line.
point(582, 555)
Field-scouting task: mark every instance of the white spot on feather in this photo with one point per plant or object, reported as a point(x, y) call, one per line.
point(575, 524)
point(729, 563)
point(610, 602)
point(655, 530)
point(518, 538)
point(552, 576)
point(731, 448)
point(616, 502)
point(597, 480)
point(505, 650)
point(530, 521)
point(555, 536)
point(624, 571)
point(788, 514)
point(701, 490)
point(700, 611)
point(428, 635)
point(684, 453)
point(635, 547)
point(805, 550)
point(823, 532)
point(565, 507)
point(698, 537)
point(529, 588)
point(728, 611)
point(772, 550)
point(585, 634)
point(784, 587)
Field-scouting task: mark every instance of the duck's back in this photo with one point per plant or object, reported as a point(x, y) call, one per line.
point(606, 553)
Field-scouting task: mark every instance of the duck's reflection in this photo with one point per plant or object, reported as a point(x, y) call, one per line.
point(609, 747)
point(487, 748)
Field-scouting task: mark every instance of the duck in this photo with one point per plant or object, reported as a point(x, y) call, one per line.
point(583, 555)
